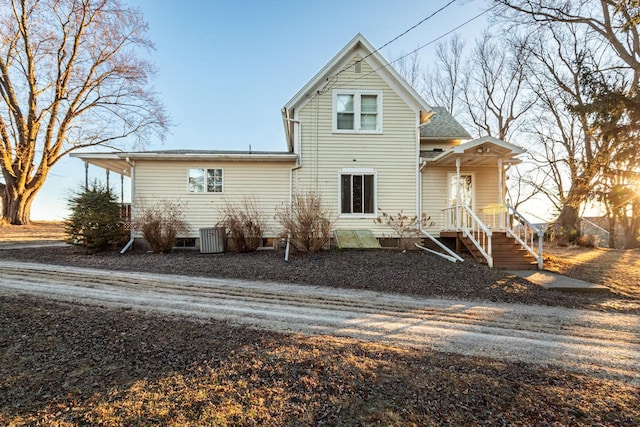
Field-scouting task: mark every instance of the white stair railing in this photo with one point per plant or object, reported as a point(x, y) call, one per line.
point(525, 233)
point(462, 218)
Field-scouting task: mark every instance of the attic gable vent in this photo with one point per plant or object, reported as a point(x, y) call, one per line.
point(358, 67)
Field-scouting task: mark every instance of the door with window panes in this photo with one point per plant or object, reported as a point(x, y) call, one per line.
point(466, 193)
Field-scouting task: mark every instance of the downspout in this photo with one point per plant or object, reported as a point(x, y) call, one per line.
point(453, 257)
point(132, 165)
point(297, 136)
point(501, 201)
point(458, 213)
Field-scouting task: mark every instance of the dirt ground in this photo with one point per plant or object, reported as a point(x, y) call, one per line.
point(413, 273)
point(67, 363)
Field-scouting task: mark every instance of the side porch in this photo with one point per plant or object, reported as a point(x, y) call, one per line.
point(464, 191)
point(504, 239)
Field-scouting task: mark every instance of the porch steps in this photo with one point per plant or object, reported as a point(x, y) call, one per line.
point(507, 253)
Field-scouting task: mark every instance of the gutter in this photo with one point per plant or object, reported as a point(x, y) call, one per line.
point(284, 157)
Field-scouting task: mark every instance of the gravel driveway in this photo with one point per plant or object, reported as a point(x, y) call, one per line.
point(602, 344)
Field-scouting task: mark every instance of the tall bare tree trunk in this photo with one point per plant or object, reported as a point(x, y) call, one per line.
point(567, 227)
point(613, 224)
point(70, 78)
point(16, 208)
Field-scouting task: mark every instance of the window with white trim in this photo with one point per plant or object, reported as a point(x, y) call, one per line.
point(357, 111)
point(205, 180)
point(357, 193)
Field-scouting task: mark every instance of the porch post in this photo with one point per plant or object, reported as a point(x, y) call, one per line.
point(86, 175)
point(107, 172)
point(458, 213)
point(121, 189)
point(500, 194)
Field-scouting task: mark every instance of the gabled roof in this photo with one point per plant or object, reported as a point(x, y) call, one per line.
point(359, 44)
point(488, 140)
point(442, 125)
point(483, 150)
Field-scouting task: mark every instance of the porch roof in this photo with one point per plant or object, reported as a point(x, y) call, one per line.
point(109, 161)
point(483, 151)
point(118, 162)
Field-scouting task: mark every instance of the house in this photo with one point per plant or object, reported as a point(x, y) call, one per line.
point(600, 226)
point(360, 136)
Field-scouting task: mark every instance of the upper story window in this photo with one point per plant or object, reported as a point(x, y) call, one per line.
point(357, 111)
point(205, 180)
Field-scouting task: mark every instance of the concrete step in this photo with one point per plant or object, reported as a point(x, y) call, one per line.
point(557, 282)
point(502, 265)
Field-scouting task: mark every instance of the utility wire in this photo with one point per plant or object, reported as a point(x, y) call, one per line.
point(412, 28)
point(420, 47)
point(392, 40)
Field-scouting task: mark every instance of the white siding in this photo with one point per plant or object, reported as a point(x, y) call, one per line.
point(435, 192)
point(267, 182)
point(392, 154)
point(435, 196)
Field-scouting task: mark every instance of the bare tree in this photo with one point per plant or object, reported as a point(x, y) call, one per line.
point(574, 37)
point(443, 81)
point(494, 89)
point(613, 21)
point(408, 65)
point(70, 78)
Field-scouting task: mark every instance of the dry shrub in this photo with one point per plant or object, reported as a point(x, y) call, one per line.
point(245, 225)
point(588, 241)
point(161, 224)
point(305, 223)
point(403, 225)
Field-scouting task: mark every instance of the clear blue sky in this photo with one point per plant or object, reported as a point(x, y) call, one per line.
point(226, 68)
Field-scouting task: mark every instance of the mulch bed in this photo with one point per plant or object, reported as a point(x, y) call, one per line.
point(413, 273)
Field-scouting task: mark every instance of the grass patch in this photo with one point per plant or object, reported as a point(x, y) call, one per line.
point(36, 231)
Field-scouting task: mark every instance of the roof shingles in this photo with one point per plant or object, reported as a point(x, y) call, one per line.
point(443, 125)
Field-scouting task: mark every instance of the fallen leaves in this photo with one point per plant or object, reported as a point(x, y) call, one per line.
point(72, 365)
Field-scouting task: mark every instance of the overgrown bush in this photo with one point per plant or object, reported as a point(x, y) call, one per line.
point(95, 219)
point(244, 224)
point(305, 223)
point(161, 224)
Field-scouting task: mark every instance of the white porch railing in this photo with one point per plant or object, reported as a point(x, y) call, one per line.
point(525, 233)
point(462, 218)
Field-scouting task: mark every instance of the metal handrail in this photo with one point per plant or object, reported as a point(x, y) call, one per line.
point(526, 234)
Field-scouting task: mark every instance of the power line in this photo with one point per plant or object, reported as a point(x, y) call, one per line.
point(412, 28)
point(394, 39)
point(420, 47)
